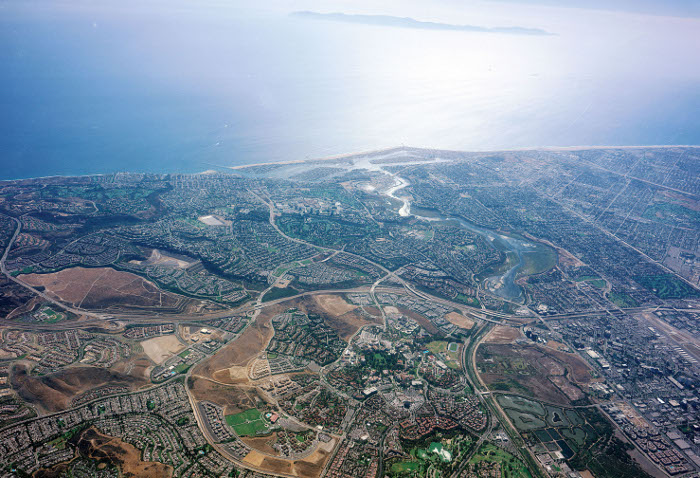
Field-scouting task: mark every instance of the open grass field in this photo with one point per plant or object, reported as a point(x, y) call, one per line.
point(445, 350)
point(437, 346)
point(248, 423)
point(622, 300)
point(251, 429)
point(246, 416)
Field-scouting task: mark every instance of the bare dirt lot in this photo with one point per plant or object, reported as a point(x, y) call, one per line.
point(234, 398)
point(238, 353)
point(501, 334)
point(159, 349)
point(534, 371)
point(105, 288)
point(55, 392)
point(309, 467)
point(460, 320)
point(346, 319)
point(333, 304)
point(261, 444)
point(578, 370)
point(124, 455)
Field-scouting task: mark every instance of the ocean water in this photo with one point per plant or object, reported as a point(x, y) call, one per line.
point(91, 87)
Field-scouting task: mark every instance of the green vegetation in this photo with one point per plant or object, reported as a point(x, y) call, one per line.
point(26, 270)
point(58, 443)
point(667, 286)
point(593, 279)
point(182, 367)
point(246, 416)
point(524, 421)
point(586, 278)
point(279, 293)
point(440, 347)
point(585, 437)
point(510, 465)
point(51, 316)
point(605, 458)
point(598, 283)
point(437, 346)
point(542, 259)
point(468, 300)
point(521, 404)
point(151, 405)
point(401, 467)
point(440, 451)
point(671, 213)
point(183, 421)
point(622, 300)
point(383, 360)
point(510, 386)
point(248, 423)
point(185, 354)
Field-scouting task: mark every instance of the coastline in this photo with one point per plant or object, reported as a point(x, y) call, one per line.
point(366, 153)
point(478, 151)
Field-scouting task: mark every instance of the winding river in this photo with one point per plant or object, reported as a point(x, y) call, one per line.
point(502, 285)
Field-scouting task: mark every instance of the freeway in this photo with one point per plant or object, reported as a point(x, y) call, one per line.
point(44, 296)
point(91, 318)
point(488, 399)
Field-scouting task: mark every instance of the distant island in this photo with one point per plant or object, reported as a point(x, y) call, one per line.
point(407, 22)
